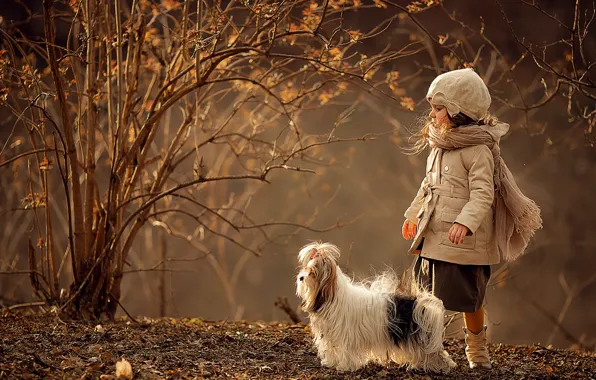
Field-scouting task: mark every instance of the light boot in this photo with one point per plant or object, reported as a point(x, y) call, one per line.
point(476, 349)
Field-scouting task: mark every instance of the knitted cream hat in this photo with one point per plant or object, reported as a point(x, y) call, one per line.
point(460, 91)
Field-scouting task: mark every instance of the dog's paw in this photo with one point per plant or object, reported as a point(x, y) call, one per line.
point(329, 363)
point(448, 361)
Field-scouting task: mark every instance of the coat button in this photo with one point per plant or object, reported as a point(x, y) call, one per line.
point(446, 168)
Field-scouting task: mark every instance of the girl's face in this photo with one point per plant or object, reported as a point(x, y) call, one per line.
point(439, 115)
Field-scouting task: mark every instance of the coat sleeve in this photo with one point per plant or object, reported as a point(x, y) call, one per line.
point(482, 189)
point(412, 211)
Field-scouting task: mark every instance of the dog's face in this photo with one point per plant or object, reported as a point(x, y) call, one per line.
point(316, 281)
point(306, 283)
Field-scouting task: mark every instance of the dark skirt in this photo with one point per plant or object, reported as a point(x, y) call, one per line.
point(460, 287)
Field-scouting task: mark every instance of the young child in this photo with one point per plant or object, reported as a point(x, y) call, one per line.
point(468, 208)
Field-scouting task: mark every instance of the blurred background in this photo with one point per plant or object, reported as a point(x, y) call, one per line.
point(548, 296)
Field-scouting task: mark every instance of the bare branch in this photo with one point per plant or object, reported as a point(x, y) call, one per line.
point(68, 130)
point(25, 305)
point(284, 305)
point(25, 154)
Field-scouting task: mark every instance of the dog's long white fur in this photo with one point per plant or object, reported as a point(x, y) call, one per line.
point(352, 327)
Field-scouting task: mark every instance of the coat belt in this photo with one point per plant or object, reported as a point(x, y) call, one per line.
point(446, 191)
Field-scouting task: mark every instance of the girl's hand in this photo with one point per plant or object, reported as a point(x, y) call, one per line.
point(457, 233)
point(408, 230)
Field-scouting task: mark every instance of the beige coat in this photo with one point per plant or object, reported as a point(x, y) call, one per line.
point(458, 188)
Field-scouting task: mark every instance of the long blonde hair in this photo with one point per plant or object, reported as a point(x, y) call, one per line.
point(420, 138)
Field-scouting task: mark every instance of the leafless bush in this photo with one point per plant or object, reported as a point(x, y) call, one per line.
point(153, 113)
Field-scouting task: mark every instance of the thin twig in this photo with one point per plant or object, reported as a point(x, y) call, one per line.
point(568, 335)
point(43, 362)
point(25, 154)
point(284, 305)
point(25, 305)
point(123, 309)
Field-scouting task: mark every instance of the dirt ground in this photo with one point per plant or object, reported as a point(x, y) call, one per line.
point(43, 346)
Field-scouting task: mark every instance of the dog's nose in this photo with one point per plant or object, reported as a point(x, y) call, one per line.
point(301, 278)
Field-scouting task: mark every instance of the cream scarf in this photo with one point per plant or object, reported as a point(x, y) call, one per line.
point(517, 217)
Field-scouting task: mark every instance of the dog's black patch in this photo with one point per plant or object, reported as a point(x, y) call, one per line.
point(319, 302)
point(400, 321)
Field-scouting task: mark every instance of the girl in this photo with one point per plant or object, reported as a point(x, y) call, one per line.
point(468, 208)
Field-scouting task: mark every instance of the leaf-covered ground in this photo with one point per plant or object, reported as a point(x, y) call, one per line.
point(44, 346)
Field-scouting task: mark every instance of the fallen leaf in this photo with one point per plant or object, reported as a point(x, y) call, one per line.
point(123, 369)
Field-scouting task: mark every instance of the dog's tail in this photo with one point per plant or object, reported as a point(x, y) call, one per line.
point(312, 250)
point(429, 315)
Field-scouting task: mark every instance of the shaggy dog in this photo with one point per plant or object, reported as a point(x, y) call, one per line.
point(380, 321)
